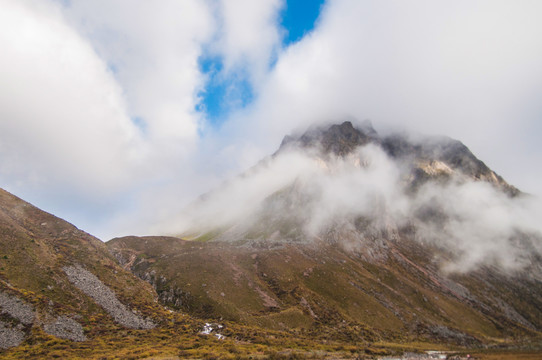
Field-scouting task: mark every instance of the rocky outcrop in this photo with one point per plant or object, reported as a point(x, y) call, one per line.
point(16, 308)
point(10, 336)
point(19, 316)
point(65, 328)
point(428, 157)
point(337, 139)
point(168, 294)
point(105, 297)
point(438, 157)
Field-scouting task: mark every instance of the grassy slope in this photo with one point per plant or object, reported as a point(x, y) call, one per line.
point(180, 339)
point(34, 246)
point(329, 293)
point(294, 302)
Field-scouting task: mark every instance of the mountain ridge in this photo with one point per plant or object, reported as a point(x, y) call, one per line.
point(309, 256)
point(342, 244)
point(343, 139)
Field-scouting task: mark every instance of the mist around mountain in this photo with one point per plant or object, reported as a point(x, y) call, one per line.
point(63, 295)
point(342, 244)
point(336, 176)
point(346, 234)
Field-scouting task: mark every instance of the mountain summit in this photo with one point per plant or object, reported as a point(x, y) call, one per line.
point(343, 233)
point(337, 139)
point(426, 156)
point(344, 240)
point(341, 174)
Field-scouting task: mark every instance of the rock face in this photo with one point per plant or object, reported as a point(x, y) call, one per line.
point(452, 154)
point(337, 139)
point(20, 317)
point(16, 309)
point(9, 336)
point(93, 287)
point(333, 182)
point(65, 328)
point(418, 152)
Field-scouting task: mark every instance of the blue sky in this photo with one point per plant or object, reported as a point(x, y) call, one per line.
point(226, 93)
point(298, 18)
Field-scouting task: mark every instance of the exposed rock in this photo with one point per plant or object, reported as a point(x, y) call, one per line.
point(16, 308)
point(511, 314)
point(430, 157)
point(438, 156)
point(65, 328)
point(105, 297)
point(9, 336)
point(430, 355)
point(167, 294)
point(337, 139)
point(267, 300)
point(447, 334)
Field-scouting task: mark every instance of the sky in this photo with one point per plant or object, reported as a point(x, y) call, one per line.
point(115, 114)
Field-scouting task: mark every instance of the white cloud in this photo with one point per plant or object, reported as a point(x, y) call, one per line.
point(467, 69)
point(74, 77)
point(76, 73)
point(360, 202)
point(248, 36)
point(62, 115)
point(154, 50)
point(482, 226)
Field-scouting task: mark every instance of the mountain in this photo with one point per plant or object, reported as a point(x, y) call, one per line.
point(343, 244)
point(346, 235)
point(58, 281)
point(63, 295)
point(427, 157)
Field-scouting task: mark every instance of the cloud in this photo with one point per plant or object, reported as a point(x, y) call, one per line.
point(481, 225)
point(100, 117)
point(98, 102)
point(240, 197)
point(63, 118)
point(363, 202)
point(153, 51)
point(466, 69)
point(249, 36)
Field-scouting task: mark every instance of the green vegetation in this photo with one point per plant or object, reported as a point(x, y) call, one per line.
point(325, 292)
point(291, 301)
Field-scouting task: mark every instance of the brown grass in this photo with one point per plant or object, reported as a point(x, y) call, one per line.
point(508, 356)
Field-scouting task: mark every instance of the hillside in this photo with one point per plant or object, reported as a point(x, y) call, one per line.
point(360, 245)
point(63, 295)
point(330, 293)
point(344, 244)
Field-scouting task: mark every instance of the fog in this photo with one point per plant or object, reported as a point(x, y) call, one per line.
point(103, 118)
point(363, 200)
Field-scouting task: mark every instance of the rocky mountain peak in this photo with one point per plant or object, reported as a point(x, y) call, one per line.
point(419, 153)
point(337, 139)
point(320, 238)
